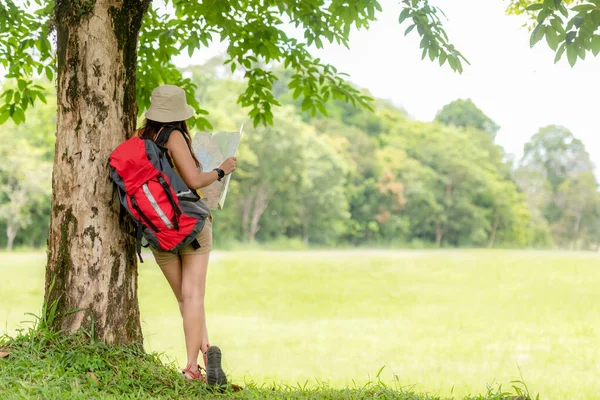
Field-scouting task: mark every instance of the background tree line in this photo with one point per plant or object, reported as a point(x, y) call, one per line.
point(351, 177)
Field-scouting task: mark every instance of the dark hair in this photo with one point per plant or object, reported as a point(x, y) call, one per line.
point(151, 128)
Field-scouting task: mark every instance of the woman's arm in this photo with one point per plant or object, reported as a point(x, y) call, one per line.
point(180, 154)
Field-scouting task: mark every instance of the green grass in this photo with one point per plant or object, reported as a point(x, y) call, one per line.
point(448, 323)
point(45, 364)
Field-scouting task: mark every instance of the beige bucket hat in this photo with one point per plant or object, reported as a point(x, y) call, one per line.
point(168, 104)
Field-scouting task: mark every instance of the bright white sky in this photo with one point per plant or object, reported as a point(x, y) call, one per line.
point(520, 88)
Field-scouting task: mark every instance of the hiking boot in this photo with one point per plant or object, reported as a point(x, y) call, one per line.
point(214, 372)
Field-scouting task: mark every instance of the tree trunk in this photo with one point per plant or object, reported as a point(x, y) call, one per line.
point(11, 233)
point(439, 234)
point(493, 232)
point(246, 216)
point(261, 202)
point(91, 260)
point(576, 228)
point(305, 229)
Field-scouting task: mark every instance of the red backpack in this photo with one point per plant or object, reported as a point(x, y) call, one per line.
point(167, 213)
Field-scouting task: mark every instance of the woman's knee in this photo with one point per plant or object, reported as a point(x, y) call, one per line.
point(193, 296)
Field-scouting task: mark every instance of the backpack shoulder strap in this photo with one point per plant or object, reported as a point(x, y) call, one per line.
point(163, 138)
point(163, 135)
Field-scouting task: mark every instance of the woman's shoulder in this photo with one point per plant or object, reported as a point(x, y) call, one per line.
point(177, 134)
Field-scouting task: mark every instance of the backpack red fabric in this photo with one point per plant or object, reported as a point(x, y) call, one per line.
point(167, 213)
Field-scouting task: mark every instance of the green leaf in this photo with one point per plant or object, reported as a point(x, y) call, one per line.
point(442, 58)
point(306, 103)
point(49, 73)
point(572, 55)
point(581, 52)
point(204, 41)
point(45, 45)
point(557, 25)
point(22, 84)
point(269, 117)
point(578, 21)
point(595, 45)
point(560, 52)
point(322, 108)
point(9, 95)
point(233, 66)
point(256, 120)
point(403, 15)
point(18, 116)
point(297, 92)
point(293, 84)
point(410, 28)
point(453, 62)
point(203, 124)
point(549, 4)
point(433, 53)
point(4, 116)
point(535, 7)
point(570, 37)
point(543, 15)
point(594, 17)
point(552, 38)
point(583, 8)
point(563, 10)
point(537, 35)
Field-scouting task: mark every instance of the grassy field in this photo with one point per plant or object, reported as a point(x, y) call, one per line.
point(446, 322)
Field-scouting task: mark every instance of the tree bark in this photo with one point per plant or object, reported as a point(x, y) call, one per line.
point(91, 261)
point(493, 232)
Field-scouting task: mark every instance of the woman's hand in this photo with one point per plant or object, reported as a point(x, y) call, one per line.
point(228, 165)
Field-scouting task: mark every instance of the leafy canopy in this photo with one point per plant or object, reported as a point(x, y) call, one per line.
point(569, 26)
point(463, 113)
point(257, 33)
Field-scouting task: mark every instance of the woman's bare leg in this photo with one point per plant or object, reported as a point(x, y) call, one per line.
point(172, 271)
point(194, 269)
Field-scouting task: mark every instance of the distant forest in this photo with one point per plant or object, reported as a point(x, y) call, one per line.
point(351, 177)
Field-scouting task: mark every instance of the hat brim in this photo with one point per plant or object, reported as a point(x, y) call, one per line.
point(157, 115)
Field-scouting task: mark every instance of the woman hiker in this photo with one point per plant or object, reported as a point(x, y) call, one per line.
point(186, 271)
